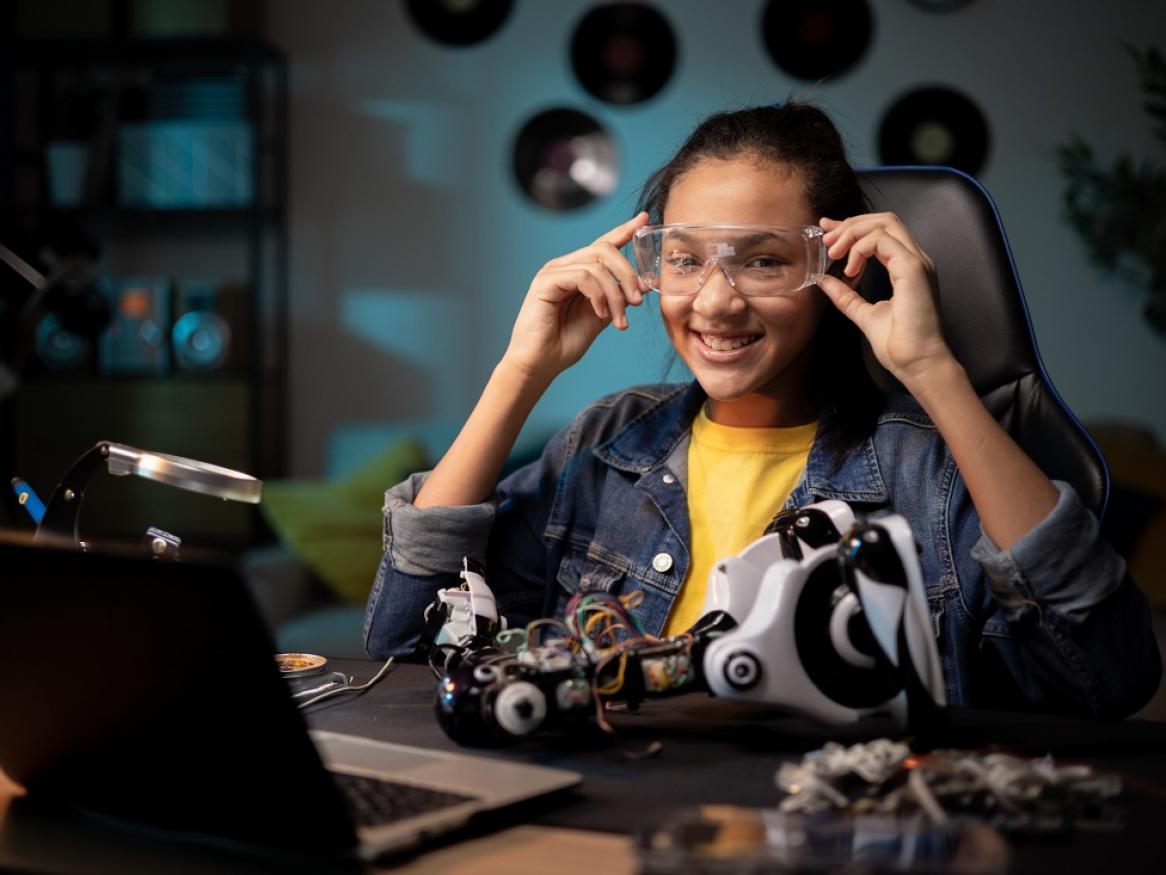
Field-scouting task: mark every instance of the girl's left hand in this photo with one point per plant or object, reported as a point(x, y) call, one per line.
point(904, 332)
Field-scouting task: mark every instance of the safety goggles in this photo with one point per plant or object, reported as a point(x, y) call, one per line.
point(756, 260)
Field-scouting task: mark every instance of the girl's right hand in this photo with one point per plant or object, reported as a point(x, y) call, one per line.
point(571, 299)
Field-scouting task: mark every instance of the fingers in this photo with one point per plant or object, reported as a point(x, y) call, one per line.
point(621, 235)
point(849, 302)
point(840, 236)
point(602, 274)
point(611, 242)
point(611, 258)
point(888, 249)
point(594, 282)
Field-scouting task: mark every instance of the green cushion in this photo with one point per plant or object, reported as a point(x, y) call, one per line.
point(334, 527)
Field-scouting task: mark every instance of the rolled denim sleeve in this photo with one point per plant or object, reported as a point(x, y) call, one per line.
point(424, 548)
point(422, 553)
point(1061, 563)
point(433, 540)
point(1083, 639)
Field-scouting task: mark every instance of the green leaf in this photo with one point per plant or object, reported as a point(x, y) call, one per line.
point(1120, 211)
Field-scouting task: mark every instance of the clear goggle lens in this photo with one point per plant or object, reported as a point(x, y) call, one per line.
point(756, 260)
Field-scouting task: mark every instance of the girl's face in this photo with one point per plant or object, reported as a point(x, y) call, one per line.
point(750, 355)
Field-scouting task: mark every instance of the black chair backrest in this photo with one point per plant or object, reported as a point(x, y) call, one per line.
point(985, 318)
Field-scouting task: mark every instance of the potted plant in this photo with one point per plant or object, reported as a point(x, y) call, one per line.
point(1120, 211)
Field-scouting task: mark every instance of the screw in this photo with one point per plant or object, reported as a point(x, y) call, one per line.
point(70, 495)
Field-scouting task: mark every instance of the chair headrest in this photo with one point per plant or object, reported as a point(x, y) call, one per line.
point(984, 316)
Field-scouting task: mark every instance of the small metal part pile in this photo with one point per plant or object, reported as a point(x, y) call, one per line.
point(1010, 792)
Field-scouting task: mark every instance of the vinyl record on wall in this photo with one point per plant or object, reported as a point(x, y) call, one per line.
point(814, 39)
point(941, 5)
point(564, 159)
point(935, 125)
point(623, 52)
point(459, 22)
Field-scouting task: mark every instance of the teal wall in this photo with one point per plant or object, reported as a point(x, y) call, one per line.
point(412, 247)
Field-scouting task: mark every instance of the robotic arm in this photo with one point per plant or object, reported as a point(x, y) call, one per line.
point(823, 615)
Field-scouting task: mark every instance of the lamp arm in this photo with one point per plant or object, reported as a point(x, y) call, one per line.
point(63, 512)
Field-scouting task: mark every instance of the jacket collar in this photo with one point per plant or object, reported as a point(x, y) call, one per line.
point(648, 440)
point(855, 476)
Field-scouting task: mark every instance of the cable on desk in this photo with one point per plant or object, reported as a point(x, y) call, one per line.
point(349, 689)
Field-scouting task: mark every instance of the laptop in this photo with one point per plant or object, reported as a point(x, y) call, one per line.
point(146, 692)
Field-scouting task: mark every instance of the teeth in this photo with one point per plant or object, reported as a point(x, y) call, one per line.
point(727, 344)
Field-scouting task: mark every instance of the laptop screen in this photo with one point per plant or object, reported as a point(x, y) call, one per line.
point(146, 690)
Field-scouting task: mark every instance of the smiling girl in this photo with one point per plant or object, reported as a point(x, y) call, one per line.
point(648, 488)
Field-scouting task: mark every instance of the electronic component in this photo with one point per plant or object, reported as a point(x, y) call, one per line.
point(135, 341)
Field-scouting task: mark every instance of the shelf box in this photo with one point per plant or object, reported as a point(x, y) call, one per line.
point(186, 164)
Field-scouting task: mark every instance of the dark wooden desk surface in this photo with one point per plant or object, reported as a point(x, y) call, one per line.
point(719, 751)
point(713, 751)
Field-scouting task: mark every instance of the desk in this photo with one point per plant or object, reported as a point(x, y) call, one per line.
point(714, 751)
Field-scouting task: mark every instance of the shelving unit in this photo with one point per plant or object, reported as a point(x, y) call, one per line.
point(234, 416)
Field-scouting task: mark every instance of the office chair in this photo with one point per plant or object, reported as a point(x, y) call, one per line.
point(985, 318)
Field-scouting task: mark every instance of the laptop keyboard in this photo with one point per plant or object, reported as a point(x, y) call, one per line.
point(377, 802)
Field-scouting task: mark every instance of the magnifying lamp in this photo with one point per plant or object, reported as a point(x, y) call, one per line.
point(63, 511)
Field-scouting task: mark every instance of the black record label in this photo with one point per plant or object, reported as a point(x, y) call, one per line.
point(935, 125)
point(459, 22)
point(815, 39)
point(623, 53)
point(564, 159)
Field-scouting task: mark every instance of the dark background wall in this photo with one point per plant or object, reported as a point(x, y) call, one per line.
point(412, 246)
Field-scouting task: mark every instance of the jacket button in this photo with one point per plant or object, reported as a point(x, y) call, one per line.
point(668, 478)
point(661, 562)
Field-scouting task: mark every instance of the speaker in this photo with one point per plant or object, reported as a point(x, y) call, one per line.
point(58, 348)
point(135, 340)
point(73, 314)
point(208, 326)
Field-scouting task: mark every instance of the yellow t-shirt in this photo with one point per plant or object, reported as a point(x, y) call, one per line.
point(738, 478)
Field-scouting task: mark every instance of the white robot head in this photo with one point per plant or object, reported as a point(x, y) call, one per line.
point(838, 631)
point(734, 582)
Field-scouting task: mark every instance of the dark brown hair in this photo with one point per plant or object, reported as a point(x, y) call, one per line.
point(802, 137)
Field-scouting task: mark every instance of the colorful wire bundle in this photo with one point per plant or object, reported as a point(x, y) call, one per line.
point(598, 631)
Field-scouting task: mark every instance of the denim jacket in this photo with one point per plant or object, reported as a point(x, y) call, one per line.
point(1054, 623)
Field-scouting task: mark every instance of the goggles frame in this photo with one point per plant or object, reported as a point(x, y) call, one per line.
point(647, 256)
